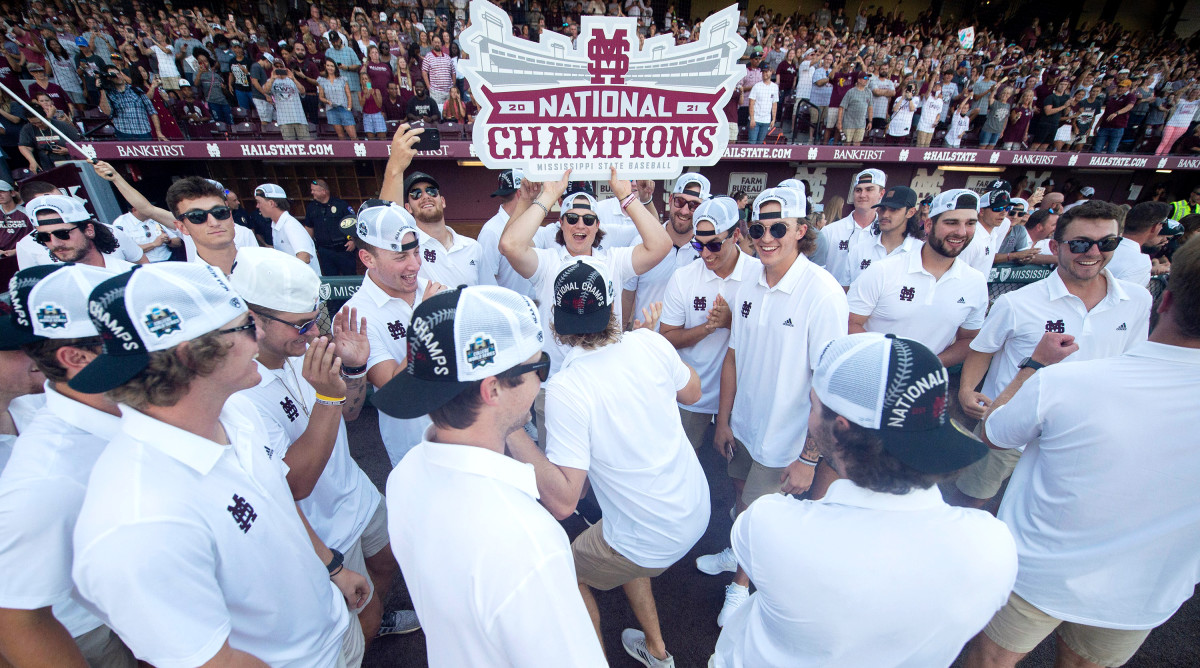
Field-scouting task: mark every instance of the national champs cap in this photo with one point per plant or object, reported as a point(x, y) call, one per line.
point(384, 225)
point(898, 197)
point(694, 184)
point(875, 176)
point(949, 200)
point(576, 189)
point(458, 337)
point(795, 184)
point(993, 198)
point(722, 212)
point(51, 302)
point(69, 209)
point(583, 296)
point(151, 308)
point(509, 182)
point(276, 280)
point(899, 388)
point(1000, 184)
point(270, 191)
point(792, 204)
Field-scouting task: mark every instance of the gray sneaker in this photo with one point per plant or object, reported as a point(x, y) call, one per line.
point(399, 622)
point(634, 642)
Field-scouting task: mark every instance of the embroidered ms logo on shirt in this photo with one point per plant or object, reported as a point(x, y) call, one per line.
point(430, 256)
point(700, 304)
point(289, 409)
point(746, 309)
point(396, 330)
point(1056, 327)
point(907, 293)
point(242, 512)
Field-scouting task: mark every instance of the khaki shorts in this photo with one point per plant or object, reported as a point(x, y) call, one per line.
point(295, 131)
point(854, 135)
point(733, 132)
point(760, 480)
point(599, 566)
point(375, 536)
point(1019, 627)
point(103, 649)
point(982, 480)
point(831, 117)
point(695, 425)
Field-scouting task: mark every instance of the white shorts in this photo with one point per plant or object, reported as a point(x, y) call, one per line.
point(1064, 134)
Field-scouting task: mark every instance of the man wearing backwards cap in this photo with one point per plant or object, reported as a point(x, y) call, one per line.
point(605, 411)
point(489, 571)
point(695, 314)
point(894, 232)
point(929, 295)
point(287, 233)
point(578, 236)
point(642, 291)
point(990, 232)
point(70, 233)
point(783, 314)
point(388, 245)
point(192, 468)
point(310, 385)
point(43, 620)
point(841, 234)
point(516, 193)
point(879, 418)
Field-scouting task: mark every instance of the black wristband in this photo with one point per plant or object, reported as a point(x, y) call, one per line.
point(335, 563)
point(353, 370)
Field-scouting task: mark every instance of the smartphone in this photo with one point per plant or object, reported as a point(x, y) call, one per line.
point(280, 72)
point(1039, 192)
point(429, 140)
point(368, 85)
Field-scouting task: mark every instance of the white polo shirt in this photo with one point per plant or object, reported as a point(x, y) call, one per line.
point(900, 297)
point(31, 254)
point(948, 570)
point(243, 237)
point(183, 544)
point(652, 285)
point(458, 265)
point(777, 335)
point(41, 491)
point(981, 252)
point(388, 319)
point(839, 236)
point(619, 228)
point(1019, 318)
point(289, 236)
point(343, 500)
point(869, 248)
point(515, 604)
point(1129, 263)
point(619, 262)
point(145, 231)
point(1103, 504)
point(494, 268)
point(602, 409)
point(691, 294)
point(21, 409)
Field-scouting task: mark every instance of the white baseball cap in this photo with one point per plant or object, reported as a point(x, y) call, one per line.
point(458, 337)
point(875, 176)
point(150, 308)
point(276, 280)
point(958, 198)
point(792, 205)
point(693, 183)
point(69, 209)
point(722, 212)
point(384, 224)
point(270, 191)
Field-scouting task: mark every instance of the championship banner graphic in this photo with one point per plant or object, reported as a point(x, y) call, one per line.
point(549, 106)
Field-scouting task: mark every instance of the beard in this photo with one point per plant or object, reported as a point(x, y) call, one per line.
point(939, 244)
point(422, 215)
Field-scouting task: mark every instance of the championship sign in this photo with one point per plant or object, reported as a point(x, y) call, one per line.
point(601, 102)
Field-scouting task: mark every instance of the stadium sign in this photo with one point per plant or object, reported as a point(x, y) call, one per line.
point(601, 102)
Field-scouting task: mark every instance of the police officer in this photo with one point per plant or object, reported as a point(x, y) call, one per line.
point(324, 215)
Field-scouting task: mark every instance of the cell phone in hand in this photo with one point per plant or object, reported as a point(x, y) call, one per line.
point(429, 140)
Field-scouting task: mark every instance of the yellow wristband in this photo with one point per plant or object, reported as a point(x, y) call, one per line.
point(332, 400)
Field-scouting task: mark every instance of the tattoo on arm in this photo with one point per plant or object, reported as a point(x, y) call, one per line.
point(810, 451)
point(356, 393)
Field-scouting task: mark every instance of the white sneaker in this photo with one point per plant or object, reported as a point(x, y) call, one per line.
point(735, 596)
point(715, 564)
point(634, 642)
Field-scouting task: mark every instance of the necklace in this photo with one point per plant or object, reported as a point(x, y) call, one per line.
point(298, 397)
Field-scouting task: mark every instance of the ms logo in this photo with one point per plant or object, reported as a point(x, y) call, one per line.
point(907, 293)
point(242, 512)
point(844, 245)
point(746, 309)
point(864, 264)
point(608, 56)
point(1056, 327)
point(430, 255)
point(700, 304)
point(396, 330)
point(289, 409)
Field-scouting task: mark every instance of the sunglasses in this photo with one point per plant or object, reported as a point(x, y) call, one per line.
point(248, 327)
point(43, 238)
point(542, 367)
point(200, 216)
point(1000, 209)
point(302, 328)
point(679, 202)
point(589, 219)
point(778, 230)
point(415, 193)
point(1019, 212)
point(712, 246)
point(1081, 246)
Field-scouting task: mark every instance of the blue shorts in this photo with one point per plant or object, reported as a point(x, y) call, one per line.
point(374, 123)
point(339, 116)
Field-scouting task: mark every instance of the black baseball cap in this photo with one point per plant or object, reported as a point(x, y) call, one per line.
point(898, 197)
point(509, 182)
point(16, 326)
point(583, 297)
point(419, 177)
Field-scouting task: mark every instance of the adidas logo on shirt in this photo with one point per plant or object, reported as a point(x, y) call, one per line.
point(472, 263)
point(1122, 328)
point(962, 300)
point(788, 323)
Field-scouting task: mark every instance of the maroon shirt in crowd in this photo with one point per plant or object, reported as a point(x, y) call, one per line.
point(1114, 104)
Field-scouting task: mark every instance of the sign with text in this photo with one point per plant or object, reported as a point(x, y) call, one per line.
point(601, 102)
point(751, 183)
point(966, 38)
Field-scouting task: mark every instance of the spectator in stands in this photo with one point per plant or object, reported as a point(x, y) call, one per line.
point(374, 124)
point(65, 74)
point(41, 146)
point(853, 110)
point(1182, 115)
point(334, 92)
point(42, 84)
point(133, 115)
point(89, 67)
point(931, 112)
point(258, 77)
point(239, 75)
point(763, 106)
point(395, 105)
point(306, 69)
point(422, 107)
point(14, 226)
point(1115, 118)
point(164, 54)
point(458, 110)
point(289, 109)
point(211, 86)
point(348, 64)
point(437, 71)
point(188, 110)
point(997, 116)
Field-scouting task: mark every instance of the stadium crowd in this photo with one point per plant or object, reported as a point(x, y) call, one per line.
point(272, 71)
point(177, 469)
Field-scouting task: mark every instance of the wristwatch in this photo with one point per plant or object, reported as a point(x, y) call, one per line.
point(1029, 363)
